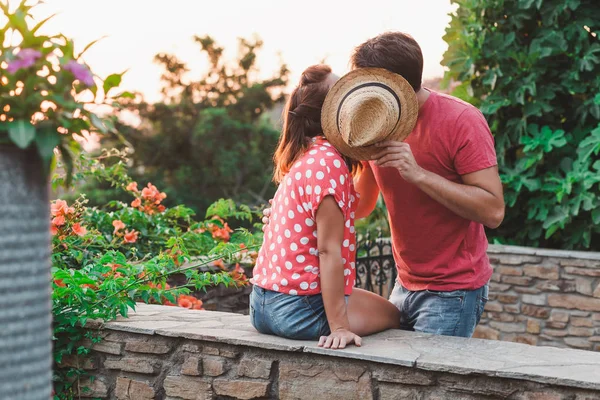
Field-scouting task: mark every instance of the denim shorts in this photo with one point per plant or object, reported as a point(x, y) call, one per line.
point(292, 317)
point(454, 313)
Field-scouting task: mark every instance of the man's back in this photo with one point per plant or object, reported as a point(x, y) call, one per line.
point(435, 248)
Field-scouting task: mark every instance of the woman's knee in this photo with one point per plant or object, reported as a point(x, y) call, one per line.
point(370, 313)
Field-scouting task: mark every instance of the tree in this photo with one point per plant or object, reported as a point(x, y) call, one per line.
point(209, 138)
point(533, 68)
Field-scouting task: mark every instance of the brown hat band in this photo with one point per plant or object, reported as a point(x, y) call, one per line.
point(364, 85)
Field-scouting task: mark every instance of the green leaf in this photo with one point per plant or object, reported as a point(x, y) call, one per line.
point(596, 216)
point(125, 95)
point(464, 91)
point(525, 4)
point(557, 218)
point(492, 107)
point(46, 140)
point(548, 43)
point(90, 45)
point(39, 24)
point(112, 81)
point(21, 132)
point(67, 160)
point(590, 58)
point(98, 123)
point(589, 145)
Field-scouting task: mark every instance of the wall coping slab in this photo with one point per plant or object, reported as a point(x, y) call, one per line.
point(557, 366)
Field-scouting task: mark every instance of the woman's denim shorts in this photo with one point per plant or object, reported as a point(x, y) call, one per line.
point(292, 317)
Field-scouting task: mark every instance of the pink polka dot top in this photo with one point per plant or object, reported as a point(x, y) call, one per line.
point(288, 261)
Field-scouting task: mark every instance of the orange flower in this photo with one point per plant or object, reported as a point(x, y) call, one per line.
point(198, 305)
point(131, 236)
point(219, 263)
point(222, 233)
point(59, 207)
point(132, 187)
point(253, 255)
point(184, 301)
point(89, 286)
point(150, 199)
point(113, 272)
point(79, 230)
point(165, 286)
point(189, 302)
point(59, 220)
point(53, 229)
point(118, 224)
point(150, 192)
point(239, 275)
point(59, 283)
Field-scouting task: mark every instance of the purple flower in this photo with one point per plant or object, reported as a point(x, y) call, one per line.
point(24, 59)
point(81, 72)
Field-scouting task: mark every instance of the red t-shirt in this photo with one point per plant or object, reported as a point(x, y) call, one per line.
point(433, 247)
point(288, 260)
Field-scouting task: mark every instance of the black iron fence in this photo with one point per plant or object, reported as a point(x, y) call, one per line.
point(375, 266)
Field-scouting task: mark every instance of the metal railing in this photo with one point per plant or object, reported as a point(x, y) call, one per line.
point(375, 266)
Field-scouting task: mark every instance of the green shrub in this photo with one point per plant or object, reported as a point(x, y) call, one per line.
point(106, 259)
point(533, 68)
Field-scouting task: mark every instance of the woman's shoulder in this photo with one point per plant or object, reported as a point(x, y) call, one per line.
point(322, 156)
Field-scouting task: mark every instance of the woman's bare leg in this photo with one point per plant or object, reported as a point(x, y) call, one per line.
point(369, 313)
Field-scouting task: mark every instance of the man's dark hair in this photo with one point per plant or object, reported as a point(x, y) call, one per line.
point(395, 51)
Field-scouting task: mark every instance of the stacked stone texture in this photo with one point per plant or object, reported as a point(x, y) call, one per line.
point(544, 298)
point(537, 297)
point(130, 366)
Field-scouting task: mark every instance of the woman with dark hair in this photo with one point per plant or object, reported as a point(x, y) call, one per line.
point(305, 272)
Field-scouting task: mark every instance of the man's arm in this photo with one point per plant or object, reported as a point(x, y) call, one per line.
point(479, 198)
point(366, 185)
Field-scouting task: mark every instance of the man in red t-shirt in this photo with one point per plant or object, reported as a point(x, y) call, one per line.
point(441, 187)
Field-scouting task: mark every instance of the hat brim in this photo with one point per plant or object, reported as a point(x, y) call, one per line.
point(408, 114)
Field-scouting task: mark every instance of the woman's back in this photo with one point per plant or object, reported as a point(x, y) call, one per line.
point(288, 260)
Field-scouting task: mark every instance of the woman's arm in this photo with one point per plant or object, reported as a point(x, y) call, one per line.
point(330, 235)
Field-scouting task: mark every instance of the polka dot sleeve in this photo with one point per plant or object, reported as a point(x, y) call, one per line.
point(331, 179)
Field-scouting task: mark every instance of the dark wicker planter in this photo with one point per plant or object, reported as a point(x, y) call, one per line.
point(25, 307)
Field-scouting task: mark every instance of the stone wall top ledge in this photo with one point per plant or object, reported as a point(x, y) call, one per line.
point(565, 367)
point(531, 251)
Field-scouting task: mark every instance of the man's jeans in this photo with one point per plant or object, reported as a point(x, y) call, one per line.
point(454, 313)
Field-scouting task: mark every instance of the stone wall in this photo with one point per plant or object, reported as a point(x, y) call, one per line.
point(172, 353)
point(543, 297)
point(538, 297)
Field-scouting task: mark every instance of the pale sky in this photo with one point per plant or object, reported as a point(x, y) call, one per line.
point(300, 32)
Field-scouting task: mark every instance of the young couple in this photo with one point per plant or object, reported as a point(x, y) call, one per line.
point(344, 141)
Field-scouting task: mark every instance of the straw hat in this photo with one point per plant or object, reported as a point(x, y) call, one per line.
point(367, 106)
